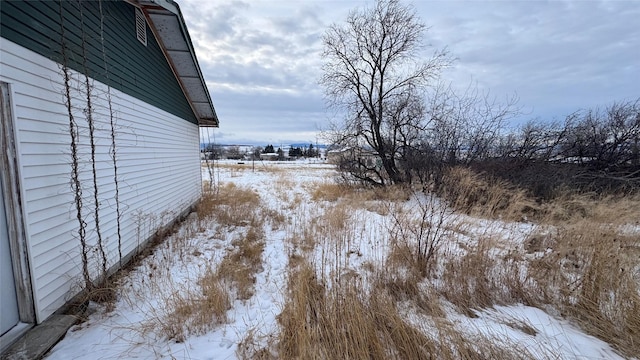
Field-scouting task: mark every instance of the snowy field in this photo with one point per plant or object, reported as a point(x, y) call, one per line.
point(289, 205)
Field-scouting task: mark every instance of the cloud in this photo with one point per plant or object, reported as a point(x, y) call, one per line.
point(261, 59)
point(553, 53)
point(261, 64)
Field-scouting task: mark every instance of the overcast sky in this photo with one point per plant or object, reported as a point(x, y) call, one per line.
point(261, 58)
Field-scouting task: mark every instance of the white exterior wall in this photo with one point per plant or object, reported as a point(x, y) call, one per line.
point(157, 162)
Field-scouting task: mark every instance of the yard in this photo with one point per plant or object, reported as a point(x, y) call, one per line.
point(282, 261)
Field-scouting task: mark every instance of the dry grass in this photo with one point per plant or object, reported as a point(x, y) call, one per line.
point(585, 264)
point(331, 228)
point(104, 293)
point(240, 266)
point(581, 263)
point(423, 226)
point(402, 278)
point(570, 208)
point(228, 206)
point(477, 279)
point(196, 312)
point(471, 193)
point(335, 220)
point(339, 317)
point(200, 310)
point(591, 275)
point(343, 322)
point(276, 218)
point(196, 307)
point(589, 266)
point(328, 191)
point(251, 348)
point(355, 194)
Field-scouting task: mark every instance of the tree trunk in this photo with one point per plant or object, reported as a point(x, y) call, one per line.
point(391, 168)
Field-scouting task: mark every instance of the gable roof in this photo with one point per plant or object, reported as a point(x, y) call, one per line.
point(167, 24)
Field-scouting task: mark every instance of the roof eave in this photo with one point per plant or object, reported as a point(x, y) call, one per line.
point(168, 26)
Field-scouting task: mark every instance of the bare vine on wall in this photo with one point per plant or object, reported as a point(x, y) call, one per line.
point(89, 115)
point(80, 94)
point(112, 150)
point(76, 184)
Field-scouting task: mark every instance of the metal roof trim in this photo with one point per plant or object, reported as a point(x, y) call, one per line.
point(165, 18)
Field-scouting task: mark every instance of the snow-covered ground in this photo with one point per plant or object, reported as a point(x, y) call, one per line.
point(130, 330)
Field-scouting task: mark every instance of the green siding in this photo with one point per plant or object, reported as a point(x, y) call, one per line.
point(138, 70)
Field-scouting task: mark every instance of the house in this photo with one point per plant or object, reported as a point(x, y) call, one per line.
point(101, 105)
point(269, 156)
point(356, 155)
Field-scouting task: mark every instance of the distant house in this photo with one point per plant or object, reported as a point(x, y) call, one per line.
point(269, 156)
point(104, 95)
point(358, 155)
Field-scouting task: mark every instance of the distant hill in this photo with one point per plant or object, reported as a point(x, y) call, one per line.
point(305, 145)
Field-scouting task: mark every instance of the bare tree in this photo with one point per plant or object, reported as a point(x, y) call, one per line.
point(233, 152)
point(467, 127)
point(374, 72)
point(604, 139)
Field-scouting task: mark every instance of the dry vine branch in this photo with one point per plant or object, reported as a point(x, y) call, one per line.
point(209, 166)
point(76, 185)
point(89, 113)
point(112, 150)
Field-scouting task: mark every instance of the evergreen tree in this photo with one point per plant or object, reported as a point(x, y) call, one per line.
point(295, 152)
point(311, 152)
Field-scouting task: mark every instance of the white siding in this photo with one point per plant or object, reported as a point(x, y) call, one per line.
point(158, 171)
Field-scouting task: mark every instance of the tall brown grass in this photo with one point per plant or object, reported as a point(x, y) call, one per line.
point(591, 275)
point(345, 322)
point(355, 194)
point(233, 207)
point(197, 308)
point(585, 262)
point(472, 193)
point(230, 205)
point(195, 311)
point(329, 191)
point(239, 267)
point(342, 323)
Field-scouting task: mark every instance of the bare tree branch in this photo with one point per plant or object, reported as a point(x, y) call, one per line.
point(373, 70)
